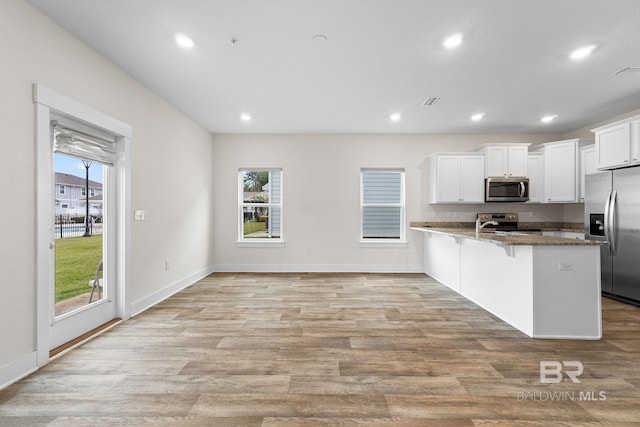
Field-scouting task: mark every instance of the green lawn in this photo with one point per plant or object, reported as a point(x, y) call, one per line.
point(252, 227)
point(76, 262)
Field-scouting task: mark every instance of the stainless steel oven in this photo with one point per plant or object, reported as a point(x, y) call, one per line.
point(513, 189)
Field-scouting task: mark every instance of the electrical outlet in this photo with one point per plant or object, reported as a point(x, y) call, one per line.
point(140, 215)
point(565, 266)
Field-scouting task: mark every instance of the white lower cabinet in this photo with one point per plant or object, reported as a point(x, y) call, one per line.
point(529, 287)
point(456, 178)
point(442, 259)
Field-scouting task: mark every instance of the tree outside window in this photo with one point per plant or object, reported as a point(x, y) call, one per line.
point(260, 211)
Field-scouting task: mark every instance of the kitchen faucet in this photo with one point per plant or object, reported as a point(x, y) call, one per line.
point(480, 226)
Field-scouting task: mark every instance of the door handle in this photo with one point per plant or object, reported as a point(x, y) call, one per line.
point(607, 222)
point(612, 223)
point(52, 245)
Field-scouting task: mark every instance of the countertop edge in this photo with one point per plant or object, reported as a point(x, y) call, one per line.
point(508, 240)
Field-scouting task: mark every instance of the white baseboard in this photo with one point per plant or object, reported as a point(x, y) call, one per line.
point(141, 305)
point(18, 369)
point(317, 268)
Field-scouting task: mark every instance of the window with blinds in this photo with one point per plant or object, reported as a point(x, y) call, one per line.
point(382, 203)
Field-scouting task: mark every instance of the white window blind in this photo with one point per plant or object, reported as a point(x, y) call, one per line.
point(84, 146)
point(382, 204)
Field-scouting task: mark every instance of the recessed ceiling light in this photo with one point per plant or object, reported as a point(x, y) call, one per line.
point(582, 52)
point(245, 117)
point(184, 41)
point(452, 41)
point(394, 117)
point(549, 118)
point(477, 117)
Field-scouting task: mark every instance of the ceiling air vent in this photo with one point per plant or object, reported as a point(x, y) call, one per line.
point(432, 100)
point(628, 70)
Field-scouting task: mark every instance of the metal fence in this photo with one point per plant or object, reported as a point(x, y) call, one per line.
point(74, 226)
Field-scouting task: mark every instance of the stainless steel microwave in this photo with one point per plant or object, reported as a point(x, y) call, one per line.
point(512, 189)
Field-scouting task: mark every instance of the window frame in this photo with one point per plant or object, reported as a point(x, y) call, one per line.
point(61, 190)
point(391, 241)
point(259, 242)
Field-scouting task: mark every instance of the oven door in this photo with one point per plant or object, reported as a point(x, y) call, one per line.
point(507, 189)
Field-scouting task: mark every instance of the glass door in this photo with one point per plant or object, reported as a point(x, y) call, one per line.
point(78, 233)
point(83, 290)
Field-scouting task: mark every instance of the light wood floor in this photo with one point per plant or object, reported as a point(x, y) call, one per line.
point(329, 349)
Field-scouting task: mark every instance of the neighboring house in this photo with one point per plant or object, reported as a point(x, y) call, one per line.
point(251, 213)
point(267, 196)
point(71, 196)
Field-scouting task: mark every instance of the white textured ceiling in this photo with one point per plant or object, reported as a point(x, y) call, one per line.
point(380, 57)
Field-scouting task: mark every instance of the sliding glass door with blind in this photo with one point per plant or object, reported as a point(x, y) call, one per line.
point(83, 291)
point(83, 219)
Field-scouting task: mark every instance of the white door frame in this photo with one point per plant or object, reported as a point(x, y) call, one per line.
point(48, 102)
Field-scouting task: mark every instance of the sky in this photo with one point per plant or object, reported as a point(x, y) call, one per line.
point(74, 166)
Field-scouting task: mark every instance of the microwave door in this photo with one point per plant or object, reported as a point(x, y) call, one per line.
point(507, 191)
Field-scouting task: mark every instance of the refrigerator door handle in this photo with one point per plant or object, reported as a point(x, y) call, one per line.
point(612, 223)
point(607, 222)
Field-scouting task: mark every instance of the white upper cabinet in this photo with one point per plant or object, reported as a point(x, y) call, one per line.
point(505, 160)
point(536, 177)
point(618, 144)
point(456, 178)
point(635, 141)
point(561, 170)
point(613, 146)
point(472, 179)
point(587, 165)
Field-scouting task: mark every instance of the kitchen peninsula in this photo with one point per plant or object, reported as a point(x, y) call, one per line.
point(546, 287)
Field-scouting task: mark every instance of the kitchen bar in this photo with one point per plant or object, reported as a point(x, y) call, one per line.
point(546, 287)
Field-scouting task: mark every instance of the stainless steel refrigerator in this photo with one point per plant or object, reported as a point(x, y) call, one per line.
point(612, 214)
